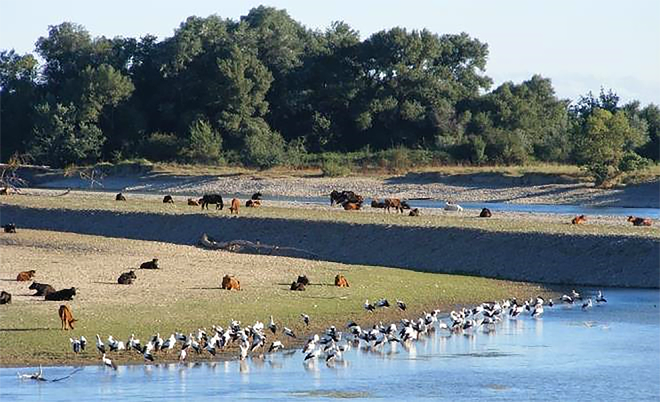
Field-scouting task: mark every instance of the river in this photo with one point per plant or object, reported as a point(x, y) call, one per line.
point(608, 353)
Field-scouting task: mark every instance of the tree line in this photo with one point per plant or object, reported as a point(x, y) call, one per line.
point(264, 87)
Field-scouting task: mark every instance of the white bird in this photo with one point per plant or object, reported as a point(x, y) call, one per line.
point(313, 354)
point(244, 350)
point(538, 311)
point(567, 299)
point(114, 344)
point(275, 346)
point(148, 348)
point(401, 305)
point(182, 355)
point(288, 332)
point(272, 326)
point(108, 362)
point(576, 295)
point(158, 341)
point(310, 344)
point(600, 298)
point(169, 343)
point(99, 344)
point(369, 307)
point(450, 206)
point(587, 305)
point(305, 318)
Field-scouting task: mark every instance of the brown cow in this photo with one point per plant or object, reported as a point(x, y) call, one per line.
point(229, 283)
point(395, 203)
point(578, 220)
point(414, 212)
point(297, 286)
point(235, 205)
point(66, 317)
point(5, 297)
point(192, 202)
point(637, 221)
point(153, 264)
point(352, 206)
point(253, 203)
point(303, 279)
point(5, 191)
point(341, 281)
point(127, 278)
point(26, 275)
point(120, 197)
point(168, 199)
point(485, 213)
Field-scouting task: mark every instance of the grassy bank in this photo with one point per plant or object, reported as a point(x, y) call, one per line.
point(184, 295)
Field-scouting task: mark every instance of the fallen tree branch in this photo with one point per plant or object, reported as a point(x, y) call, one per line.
point(248, 247)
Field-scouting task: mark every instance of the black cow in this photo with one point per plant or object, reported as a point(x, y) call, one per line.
point(257, 196)
point(41, 288)
point(5, 297)
point(212, 199)
point(9, 228)
point(168, 199)
point(60, 295)
point(345, 196)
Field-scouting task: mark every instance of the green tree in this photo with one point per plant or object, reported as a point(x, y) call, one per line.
point(602, 145)
point(204, 144)
point(60, 138)
point(263, 148)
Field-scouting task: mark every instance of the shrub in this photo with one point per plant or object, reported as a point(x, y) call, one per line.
point(263, 148)
point(631, 162)
point(295, 155)
point(333, 166)
point(161, 147)
point(204, 144)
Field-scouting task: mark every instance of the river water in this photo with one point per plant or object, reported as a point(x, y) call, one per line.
point(608, 353)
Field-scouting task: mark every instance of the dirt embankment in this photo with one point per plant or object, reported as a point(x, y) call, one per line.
point(537, 257)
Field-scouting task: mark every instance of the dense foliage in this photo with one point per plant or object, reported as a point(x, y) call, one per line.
point(265, 91)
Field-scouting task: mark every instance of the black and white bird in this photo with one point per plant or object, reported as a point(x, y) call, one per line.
point(314, 354)
point(244, 350)
point(550, 303)
point(275, 346)
point(100, 346)
point(272, 326)
point(401, 305)
point(600, 298)
point(538, 310)
point(587, 305)
point(567, 299)
point(305, 318)
point(75, 344)
point(108, 363)
point(169, 343)
point(382, 303)
point(147, 351)
point(576, 295)
point(288, 332)
point(134, 343)
point(115, 345)
point(369, 307)
point(157, 341)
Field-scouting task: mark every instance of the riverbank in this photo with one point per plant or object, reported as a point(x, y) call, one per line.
point(185, 294)
point(514, 185)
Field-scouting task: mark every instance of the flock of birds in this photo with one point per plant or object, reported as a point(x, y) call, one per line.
point(333, 342)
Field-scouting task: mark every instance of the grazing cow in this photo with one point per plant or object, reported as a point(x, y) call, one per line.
point(485, 213)
point(235, 205)
point(253, 203)
point(578, 220)
point(9, 228)
point(414, 212)
point(127, 278)
point(341, 281)
point(229, 283)
point(168, 199)
point(26, 275)
point(636, 221)
point(450, 206)
point(377, 204)
point(153, 264)
point(41, 288)
point(5, 297)
point(192, 202)
point(257, 196)
point(5, 191)
point(61, 295)
point(212, 199)
point(345, 196)
point(352, 206)
point(297, 286)
point(395, 203)
point(120, 197)
point(66, 317)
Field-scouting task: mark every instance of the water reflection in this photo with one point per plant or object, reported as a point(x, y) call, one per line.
point(621, 340)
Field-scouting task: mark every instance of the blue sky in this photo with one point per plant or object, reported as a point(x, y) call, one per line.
point(580, 44)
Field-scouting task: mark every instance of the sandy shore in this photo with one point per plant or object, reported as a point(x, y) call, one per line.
point(481, 187)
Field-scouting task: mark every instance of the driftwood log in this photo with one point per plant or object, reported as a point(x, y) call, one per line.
point(248, 247)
